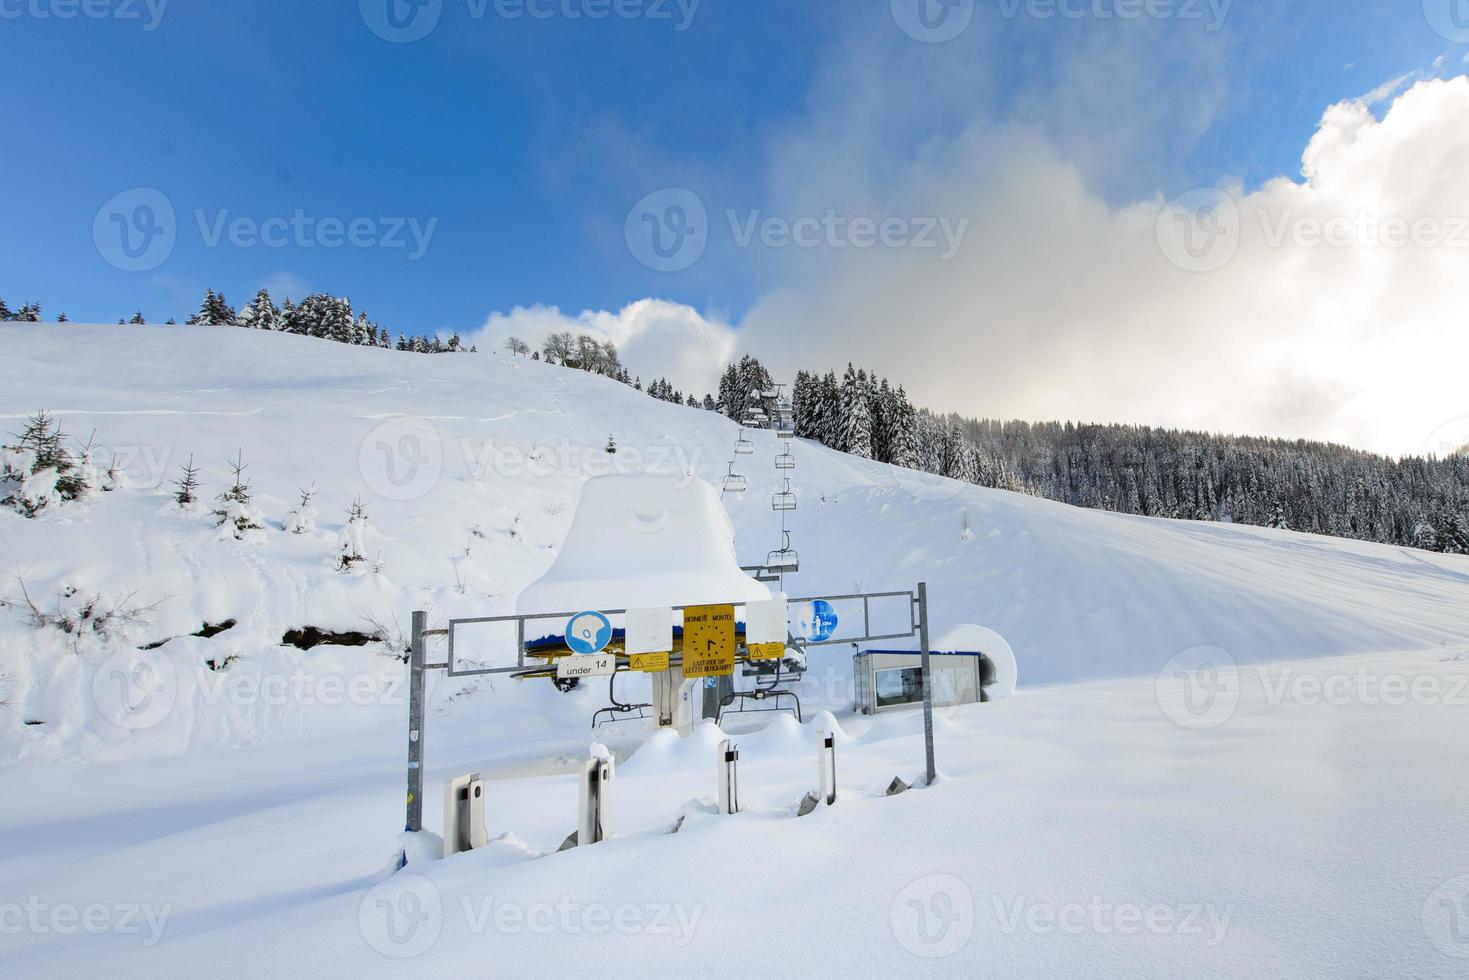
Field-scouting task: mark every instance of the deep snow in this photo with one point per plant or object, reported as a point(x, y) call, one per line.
point(1304, 820)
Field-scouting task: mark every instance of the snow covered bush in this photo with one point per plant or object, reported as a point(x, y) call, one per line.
point(36, 472)
point(187, 496)
point(236, 515)
point(301, 519)
point(351, 547)
point(83, 614)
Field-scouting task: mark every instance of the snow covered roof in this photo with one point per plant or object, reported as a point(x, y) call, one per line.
point(644, 540)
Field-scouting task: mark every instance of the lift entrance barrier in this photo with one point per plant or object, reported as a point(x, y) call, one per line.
point(695, 663)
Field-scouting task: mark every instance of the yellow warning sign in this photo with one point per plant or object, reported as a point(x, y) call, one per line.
point(767, 651)
point(708, 641)
point(649, 663)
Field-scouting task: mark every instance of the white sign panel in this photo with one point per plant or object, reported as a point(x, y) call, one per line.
point(649, 630)
point(586, 665)
point(765, 622)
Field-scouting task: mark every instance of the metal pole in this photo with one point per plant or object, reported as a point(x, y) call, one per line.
point(927, 681)
point(415, 724)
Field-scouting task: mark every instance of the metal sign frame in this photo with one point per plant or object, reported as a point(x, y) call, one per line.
point(418, 667)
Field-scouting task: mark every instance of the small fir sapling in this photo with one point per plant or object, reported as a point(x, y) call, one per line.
point(236, 512)
point(302, 518)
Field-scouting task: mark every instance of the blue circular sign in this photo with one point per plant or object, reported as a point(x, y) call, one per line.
point(819, 623)
point(588, 632)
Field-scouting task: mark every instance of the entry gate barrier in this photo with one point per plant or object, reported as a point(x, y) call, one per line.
point(418, 666)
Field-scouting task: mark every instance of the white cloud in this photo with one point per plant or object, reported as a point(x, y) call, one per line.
point(656, 338)
point(1063, 306)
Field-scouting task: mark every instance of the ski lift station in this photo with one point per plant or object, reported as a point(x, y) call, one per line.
point(647, 590)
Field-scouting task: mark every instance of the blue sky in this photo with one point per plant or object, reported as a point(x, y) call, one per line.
point(527, 140)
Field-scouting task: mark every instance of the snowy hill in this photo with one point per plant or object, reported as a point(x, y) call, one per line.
point(1080, 791)
point(485, 454)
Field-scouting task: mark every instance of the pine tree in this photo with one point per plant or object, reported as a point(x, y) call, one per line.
point(262, 313)
point(5, 313)
point(302, 518)
point(215, 311)
point(61, 317)
point(235, 508)
point(611, 446)
point(138, 320)
point(856, 416)
point(188, 487)
point(36, 471)
point(350, 543)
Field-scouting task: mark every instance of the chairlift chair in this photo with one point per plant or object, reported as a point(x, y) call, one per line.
point(786, 560)
point(618, 709)
point(744, 447)
point(785, 429)
point(784, 500)
point(786, 460)
point(734, 482)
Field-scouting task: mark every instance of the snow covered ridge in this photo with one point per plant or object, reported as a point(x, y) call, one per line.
point(463, 475)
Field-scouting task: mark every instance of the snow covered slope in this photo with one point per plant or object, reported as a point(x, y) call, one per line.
point(469, 467)
point(1299, 815)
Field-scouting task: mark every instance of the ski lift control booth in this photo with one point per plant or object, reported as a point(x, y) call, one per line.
point(648, 582)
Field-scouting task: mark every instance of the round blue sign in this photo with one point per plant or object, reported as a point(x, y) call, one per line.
point(819, 621)
point(588, 632)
